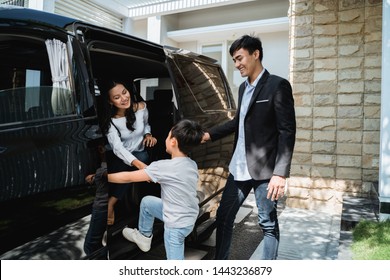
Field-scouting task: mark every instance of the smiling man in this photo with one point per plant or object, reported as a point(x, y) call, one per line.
point(264, 127)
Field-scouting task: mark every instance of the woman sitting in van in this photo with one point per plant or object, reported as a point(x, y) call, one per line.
point(128, 133)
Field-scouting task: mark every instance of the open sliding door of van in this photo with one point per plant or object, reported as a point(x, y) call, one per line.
point(113, 56)
point(203, 94)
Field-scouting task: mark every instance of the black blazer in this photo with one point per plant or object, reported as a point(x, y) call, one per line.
point(269, 128)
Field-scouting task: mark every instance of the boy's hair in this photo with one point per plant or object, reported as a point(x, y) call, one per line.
point(188, 135)
point(249, 43)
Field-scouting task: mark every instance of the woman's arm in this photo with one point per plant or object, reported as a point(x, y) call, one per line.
point(118, 148)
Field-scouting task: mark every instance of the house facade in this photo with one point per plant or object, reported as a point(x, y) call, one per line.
point(331, 52)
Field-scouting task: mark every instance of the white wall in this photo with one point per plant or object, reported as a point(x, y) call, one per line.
point(140, 28)
point(276, 54)
point(256, 10)
point(191, 46)
point(275, 44)
point(168, 23)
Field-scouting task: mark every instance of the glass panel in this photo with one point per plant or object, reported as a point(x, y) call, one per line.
point(26, 87)
point(205, 83)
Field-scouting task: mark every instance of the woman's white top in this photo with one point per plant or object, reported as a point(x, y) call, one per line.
point(129, 141)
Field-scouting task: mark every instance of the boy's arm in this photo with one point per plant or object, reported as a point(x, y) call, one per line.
point(128, 177)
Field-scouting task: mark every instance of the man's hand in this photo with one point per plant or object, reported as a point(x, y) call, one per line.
point(276, 187)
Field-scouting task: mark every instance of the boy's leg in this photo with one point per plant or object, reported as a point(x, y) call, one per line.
point(174, 241)
point(151, 207)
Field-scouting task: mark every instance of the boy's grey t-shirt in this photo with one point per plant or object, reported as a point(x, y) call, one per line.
point(178, 178)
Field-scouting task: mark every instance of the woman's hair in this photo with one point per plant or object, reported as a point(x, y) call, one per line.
point(188, 134)
point(110, 111)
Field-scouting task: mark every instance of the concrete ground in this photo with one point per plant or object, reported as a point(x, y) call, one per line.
point(305, 235)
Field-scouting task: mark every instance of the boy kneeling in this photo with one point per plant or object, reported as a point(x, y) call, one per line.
point(178, 206)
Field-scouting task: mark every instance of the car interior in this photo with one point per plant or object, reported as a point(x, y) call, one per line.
point(151, 82)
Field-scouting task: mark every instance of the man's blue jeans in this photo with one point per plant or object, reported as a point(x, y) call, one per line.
point(232, 198)
point(151, 207)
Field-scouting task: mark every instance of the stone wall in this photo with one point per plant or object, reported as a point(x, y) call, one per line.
point(335, 71)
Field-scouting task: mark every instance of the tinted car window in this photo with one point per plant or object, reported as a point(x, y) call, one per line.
point(47, 145)
point(32, 85)
point(205, 93)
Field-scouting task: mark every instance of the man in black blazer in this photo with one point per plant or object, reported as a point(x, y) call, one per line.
point(264, 127)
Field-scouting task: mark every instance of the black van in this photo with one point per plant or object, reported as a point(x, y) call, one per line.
point(49, 125)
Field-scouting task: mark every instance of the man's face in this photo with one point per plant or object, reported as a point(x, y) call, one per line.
point(245, 62)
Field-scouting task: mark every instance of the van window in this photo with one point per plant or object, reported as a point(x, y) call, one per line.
point(35, 80)
point(206, 83)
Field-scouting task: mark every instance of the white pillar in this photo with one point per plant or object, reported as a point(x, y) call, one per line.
point(35, 4)
point(48, 6)
point(384, 168)
point(153, 35)
point(154, 29)
point(128, 25)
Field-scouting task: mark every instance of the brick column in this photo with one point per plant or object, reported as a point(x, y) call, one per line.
point(335, 56)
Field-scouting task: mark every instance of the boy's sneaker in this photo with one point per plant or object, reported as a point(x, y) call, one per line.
point(133, 235)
